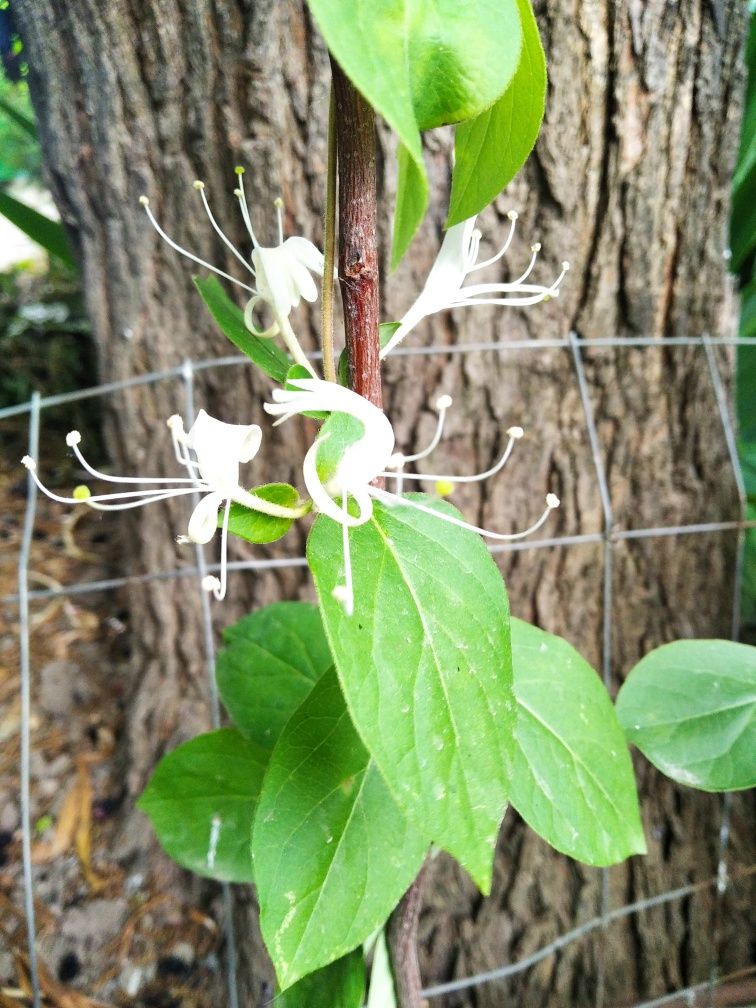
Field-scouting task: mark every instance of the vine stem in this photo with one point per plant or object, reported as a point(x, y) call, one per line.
point(358, 244)
point(402, 945)
point(329, 247)
point(358, 279)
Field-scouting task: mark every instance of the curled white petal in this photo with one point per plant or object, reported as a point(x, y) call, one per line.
point(204, 519)
point(220, 448)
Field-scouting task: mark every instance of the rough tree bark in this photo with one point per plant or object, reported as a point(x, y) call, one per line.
point(629, 181)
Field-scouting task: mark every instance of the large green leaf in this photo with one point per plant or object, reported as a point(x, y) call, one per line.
point(420, 65)
point(573, 780)
point(271, 661)
point(332, 852)
point(490, 149)
point(690, 707)
point(339, 985)
point(201, 801)
point(44, 231)
point(256, 527)
point(425, 665)
point(263, 352)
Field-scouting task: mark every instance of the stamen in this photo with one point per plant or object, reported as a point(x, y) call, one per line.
point(278, 203)
point(189, 255)
point(210, 583)
point(393, 500)
point(515, 433)
point(443, 403)
point(240, 195)
point(345, 593)
point(135, 498)
point(74, 444)
point(534, 249)
point(513, 215)
point(200, 186)
point(220, 592)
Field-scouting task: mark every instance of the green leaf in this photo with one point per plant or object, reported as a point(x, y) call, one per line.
point(690, 707)
point(411, 202)
point(263, 352)
point(256, 527)
point(44, 231)
point(339, 985)
point(426, 668)
point(19, 118)
point(385, 331)
point(332, 852)
point(271, 661)
point(421, 65)
point(201, 802)
point(490, 149)
point(573, 780)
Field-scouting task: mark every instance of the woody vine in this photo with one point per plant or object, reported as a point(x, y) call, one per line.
point(405, 711)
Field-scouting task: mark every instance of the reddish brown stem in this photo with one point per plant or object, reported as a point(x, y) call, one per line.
point(402, 946)
point(358, 246)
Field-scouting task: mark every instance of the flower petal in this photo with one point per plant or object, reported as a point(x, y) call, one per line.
point(220, 448)
point(204, 519)
point(305, 252)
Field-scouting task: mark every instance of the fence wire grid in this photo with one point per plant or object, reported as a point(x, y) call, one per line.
point(609, 536)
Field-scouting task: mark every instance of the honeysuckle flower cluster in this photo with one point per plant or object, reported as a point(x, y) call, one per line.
point(281, 273)
point(213, 451)
point(372, 456)
point(456, 260)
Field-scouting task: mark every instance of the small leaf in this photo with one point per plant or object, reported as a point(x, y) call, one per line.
point(201, 802)
point(690, 707)
point(411, 202)
point(385, 331)
point(271, 661)
point(263, 352)
point(339, 985)
point(573, 780)
point(19, 118)
point(256, 527)
point(332, 852)
point(490, 149)
point(44, 231)
point(421, 65)
point(426, 668)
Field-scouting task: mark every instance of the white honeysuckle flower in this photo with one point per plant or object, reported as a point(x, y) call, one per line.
point(218, 449)
point(281, 273)
point(456, 260)
point(371, 457)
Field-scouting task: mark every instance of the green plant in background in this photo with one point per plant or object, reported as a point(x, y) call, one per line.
point(403, 712)
point(19, 151)
point(743, 263)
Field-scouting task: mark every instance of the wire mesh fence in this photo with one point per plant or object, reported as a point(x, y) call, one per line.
point(608, 538)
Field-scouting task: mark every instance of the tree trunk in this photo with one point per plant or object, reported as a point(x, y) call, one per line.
point(630, 182)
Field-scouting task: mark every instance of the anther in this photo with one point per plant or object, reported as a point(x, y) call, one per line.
point(552, 501)
point(174, 422)
point(182, 540)
point(515, 432)
point(396, 461)
point(210, 583)
point(535, 247)
point(29, 463)
point(513, 215)
point(443, 402)
point(278, 203)
point(198, 184)
point(144, 200)
point(565, 265)
point(73, 438)
point(238, 193)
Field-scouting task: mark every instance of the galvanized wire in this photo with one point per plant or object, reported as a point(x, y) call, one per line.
point(608, 537)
